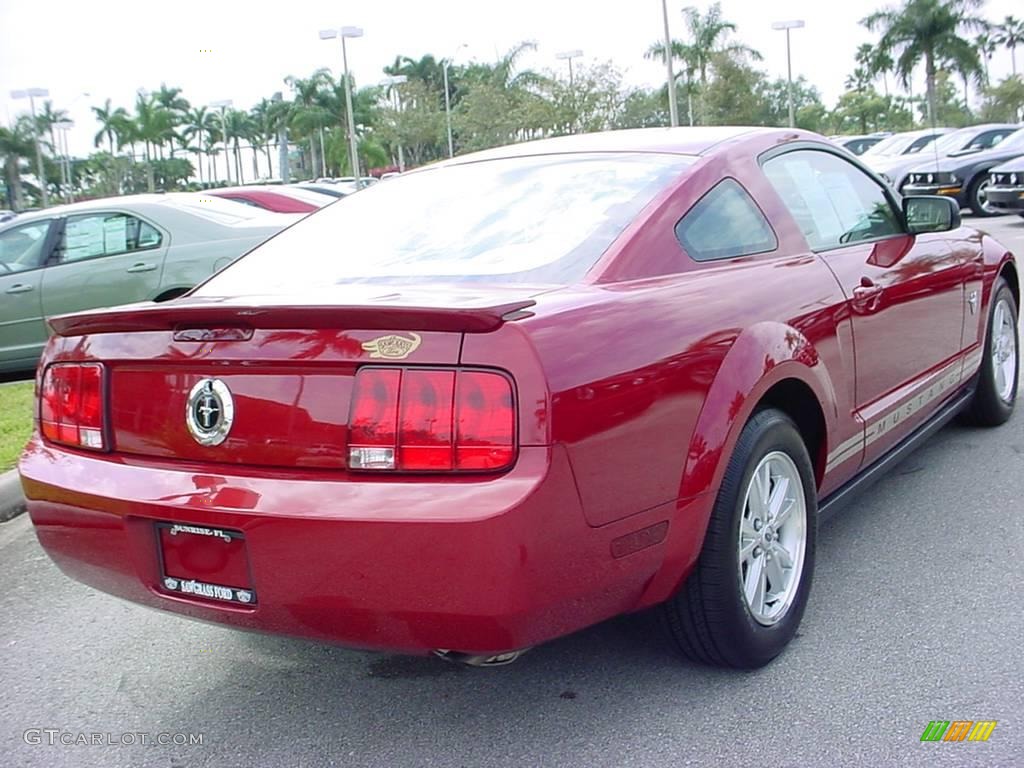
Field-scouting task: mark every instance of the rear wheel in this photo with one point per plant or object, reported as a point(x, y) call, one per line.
point(996, 392)
point(744, 600)
point(977, 197)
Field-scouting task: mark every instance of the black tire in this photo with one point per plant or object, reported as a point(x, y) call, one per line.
point(974, 197)
point(987, 408)
point(709, 618)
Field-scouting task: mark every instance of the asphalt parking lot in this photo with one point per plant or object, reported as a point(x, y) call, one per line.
point(915, 616)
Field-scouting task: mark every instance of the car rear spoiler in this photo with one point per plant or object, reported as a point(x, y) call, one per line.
point(179, 316)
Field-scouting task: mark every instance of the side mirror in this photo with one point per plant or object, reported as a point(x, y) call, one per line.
point(930, 213)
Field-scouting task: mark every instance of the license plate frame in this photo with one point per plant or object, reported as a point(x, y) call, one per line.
point(203, 563)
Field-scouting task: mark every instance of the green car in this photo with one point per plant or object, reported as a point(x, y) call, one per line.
point(114, 251)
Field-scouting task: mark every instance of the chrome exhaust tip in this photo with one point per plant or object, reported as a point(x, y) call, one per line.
point(472, 660)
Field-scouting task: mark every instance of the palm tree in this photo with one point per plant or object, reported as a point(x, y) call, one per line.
point(932, 31)
point(199, 123)
point(986, 47)
point(16, 144)
point(427, 70)
point(709, 32)
point(112, 123)
point(686, 55)
point(153, 127)
point(237, 126)
point(266, 119)
point(708, 35)
point(874, 61)
point(47, 118)
point(1011, 34)
point(308, 115)
point(177, 107)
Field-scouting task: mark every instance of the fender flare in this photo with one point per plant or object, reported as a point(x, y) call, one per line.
point(761, 357)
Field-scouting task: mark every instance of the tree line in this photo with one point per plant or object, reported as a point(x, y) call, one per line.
point(163, 142)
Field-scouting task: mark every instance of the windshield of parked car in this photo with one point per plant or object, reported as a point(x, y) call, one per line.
point(893, 145)
point(540, 219)
point(1013, 141)
point(955, 141)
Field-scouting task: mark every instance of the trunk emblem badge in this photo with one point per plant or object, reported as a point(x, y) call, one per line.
point(392, 347)
point(209, 412)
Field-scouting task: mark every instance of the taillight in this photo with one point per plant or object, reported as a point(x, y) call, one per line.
point(431, 420)
point(71, 405)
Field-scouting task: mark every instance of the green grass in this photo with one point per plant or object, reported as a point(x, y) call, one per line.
point(15, 421)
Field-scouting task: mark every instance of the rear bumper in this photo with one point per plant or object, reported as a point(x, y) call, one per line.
point(1007, 198)
point(474, 565)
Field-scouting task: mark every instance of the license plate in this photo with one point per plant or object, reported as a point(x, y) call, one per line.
point(206, 563)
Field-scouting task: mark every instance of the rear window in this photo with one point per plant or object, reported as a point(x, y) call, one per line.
point(725, 223)
point(527, 220)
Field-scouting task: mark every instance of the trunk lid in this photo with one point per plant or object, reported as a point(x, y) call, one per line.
point(287, 363)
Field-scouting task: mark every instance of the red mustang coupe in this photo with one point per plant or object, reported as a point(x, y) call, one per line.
point(563, 381)
point(279, 199)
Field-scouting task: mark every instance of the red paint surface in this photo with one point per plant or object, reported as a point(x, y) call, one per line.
point(278, 202)
point(631, 391)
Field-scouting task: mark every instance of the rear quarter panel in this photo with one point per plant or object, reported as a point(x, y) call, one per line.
point(651, 379)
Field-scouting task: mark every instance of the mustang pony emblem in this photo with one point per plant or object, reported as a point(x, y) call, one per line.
point(392, 347)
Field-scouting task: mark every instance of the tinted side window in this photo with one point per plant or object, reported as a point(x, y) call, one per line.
point(989, 139)
point(918, 144)
point(21, 248)
point(105, 234)
point(834, 202)
point(725, 223)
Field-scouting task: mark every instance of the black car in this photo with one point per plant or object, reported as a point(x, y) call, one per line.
point(1006, 187)
point(965, 175)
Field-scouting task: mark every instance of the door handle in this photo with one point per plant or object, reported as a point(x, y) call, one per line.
point(141, 267)
point(868, 289)
point(19, 288)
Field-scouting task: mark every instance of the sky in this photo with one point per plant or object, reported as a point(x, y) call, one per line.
point(225, 49)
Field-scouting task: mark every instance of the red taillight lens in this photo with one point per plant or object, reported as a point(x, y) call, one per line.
point(425, 424)
point(417, 420)
point(486, 421)
point(71, 405)
point(373, 419)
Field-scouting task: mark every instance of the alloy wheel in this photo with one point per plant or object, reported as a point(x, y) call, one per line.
point(772, 538)
point(1004, 351)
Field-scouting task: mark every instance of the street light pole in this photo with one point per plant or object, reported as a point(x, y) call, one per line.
point(569, 56)
point(392, 82)
point(223, 104)
point(31, 94)
point(353, 148)
point(65, 161)
point(788, 25)
point(447, 100)
point(673, 107)
point(282, 144)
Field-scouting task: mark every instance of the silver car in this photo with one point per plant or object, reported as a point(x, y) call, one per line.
point(114, 251)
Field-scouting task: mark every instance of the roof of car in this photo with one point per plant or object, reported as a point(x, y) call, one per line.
point(677, 141)
point(171, 198)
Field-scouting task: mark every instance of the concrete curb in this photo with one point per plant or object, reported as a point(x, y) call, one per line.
point(12, 501)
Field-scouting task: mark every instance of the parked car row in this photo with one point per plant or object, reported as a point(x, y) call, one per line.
point(115, 251)
point(959, 164)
